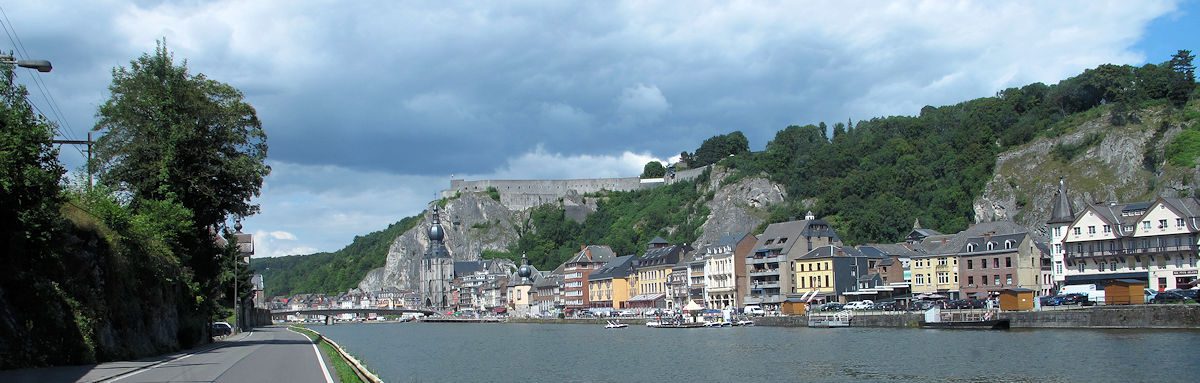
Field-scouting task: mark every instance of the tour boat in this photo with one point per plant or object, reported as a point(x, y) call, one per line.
point(934, 318)
point(615, 324)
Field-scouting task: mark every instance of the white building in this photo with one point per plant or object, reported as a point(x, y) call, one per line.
point(1152, 241)
point(720, 277)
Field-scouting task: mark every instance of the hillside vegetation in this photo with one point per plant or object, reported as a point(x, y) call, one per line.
point(334, 272)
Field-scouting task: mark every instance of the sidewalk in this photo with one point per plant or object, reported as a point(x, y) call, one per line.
point(104, 371)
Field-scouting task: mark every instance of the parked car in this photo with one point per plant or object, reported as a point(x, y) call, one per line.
point(1189, 294)
point(1167, 297)
point(1150, 295)
point(833, 306)
point(754, 310)
point(1075, 299)
point(1051, 300)
point(221, 329)
point(885, 306)
point(860, 305)
point(626, 313)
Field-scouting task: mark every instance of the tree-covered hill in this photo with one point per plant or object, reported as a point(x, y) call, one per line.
point(334, 272)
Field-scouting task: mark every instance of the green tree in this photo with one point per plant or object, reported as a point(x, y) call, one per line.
point(654, 169)
point(1183, 80)
point(175, 135)
point(178, 137)
point(716, 148)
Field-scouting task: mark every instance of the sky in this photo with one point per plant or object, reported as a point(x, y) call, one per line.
point(371, 107)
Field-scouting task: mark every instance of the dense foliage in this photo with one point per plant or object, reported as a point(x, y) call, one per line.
point(334, 272)
point(874, 177)
point(134, 266)
point(625, 221)
point(653, 169)
point(716, 148)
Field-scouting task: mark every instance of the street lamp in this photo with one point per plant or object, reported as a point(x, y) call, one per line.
point(41, 65)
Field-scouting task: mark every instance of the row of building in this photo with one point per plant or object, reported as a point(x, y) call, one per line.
point(805, 261)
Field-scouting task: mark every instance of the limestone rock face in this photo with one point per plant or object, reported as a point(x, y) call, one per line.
point(474, 222)
point(1025, 179)
point(738, 207)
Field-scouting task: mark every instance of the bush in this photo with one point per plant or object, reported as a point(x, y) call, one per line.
point(1184, 148)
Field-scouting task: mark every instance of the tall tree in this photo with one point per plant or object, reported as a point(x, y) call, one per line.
point(653, 169)
point(175, 135)
point(1183, 80)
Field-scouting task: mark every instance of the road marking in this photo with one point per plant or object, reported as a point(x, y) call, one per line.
point(320, 359)
point(159, 364)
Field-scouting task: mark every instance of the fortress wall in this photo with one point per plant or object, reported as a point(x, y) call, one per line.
point(687, 174)
point(523, 194)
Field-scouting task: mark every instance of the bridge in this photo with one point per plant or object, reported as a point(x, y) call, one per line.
point(336, 311)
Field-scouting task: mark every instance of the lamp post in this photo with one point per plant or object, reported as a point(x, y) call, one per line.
point(40, 65)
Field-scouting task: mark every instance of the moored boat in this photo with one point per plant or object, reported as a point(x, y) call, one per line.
point(615, 324)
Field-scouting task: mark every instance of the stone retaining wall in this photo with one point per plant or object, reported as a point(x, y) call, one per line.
point(1149, 316)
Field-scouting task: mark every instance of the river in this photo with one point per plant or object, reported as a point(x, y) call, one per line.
point(445, 352)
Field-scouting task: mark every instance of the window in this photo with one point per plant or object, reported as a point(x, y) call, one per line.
point(920, 279)
point(997, 279)
point(1179, 262)
point(1162, 224)
point(826, 280)
point(1007, 261)
point(943, 277)
point(983, 280)
point(970, 247)
point(1059, 267)
point(1078, 231)
point(1091, 230)
point(941, 261)
point(1057, 231)
point(1179, 222)
point(1107, 229)
point(995, 263)
point(1079, 266)
point(970, 280)
point(991, 246)
point(1008, 279)
point(783, 240)
point(1101, 266)
point(970, 264)
point(1058, 248)
point(1112, 266)
point(769, 242)
point(1146, 225)
point(1008, 244)
point(983, 263)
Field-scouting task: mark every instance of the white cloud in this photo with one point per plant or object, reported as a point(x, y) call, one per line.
point(279, 234)
point(643, 101)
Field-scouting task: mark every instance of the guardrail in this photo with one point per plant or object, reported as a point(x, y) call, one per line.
point(359, 369)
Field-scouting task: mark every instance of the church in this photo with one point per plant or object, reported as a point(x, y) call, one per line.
point(437, 268)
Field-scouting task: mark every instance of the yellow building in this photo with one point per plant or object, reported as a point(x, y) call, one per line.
point(814, 275)
point(831, 271)
point(653, 268)
point(609, 286)
point(935, 274)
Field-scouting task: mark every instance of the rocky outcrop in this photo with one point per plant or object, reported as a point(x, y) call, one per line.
point(1025, 179)
point(738, 207)
point(474, 222)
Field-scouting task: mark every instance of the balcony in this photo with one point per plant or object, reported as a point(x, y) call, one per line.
point(762, 260)
point(763, 273)
point(765, 285)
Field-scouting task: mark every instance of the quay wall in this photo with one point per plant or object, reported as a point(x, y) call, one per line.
point(1101, 317)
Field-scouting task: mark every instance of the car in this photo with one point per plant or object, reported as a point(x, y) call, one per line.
point(1150, 295)
point(832, 306)
point(626, 313)
point(1074, 299)
point(860, 305)
point(1189, 294)
point(885, 306)
point(1167, 297)
point(754, 310)
point(221, 329)
point(1051, 300)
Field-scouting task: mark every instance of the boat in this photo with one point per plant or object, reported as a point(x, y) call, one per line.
point(838, 319)
point(744, 322)
point(935, 319)
point(679, 325)
point(718, 324)
point(652, 324)
point(615, 324)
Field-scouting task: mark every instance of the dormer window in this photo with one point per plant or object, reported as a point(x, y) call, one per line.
point(1008, 244)
point(1179, 222)
point(991, 246)
point(783, 240)
point(1091, 230)
point(1162, 224)
point(970, 247)
point(1107, 229)
point(1145, 225)
point(770, 241)
point(1078, 231)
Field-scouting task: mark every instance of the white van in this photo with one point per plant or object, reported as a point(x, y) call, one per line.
point(1094, 295)
point(860, 305)
point(754, 310)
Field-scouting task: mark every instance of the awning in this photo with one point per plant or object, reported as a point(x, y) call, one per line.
point(647, 297)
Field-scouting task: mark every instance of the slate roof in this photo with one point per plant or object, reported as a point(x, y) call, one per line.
point(659, 241)
point(593, 254)
point(981, 242)
point(949, 244)
point(782, 236)
point(661, 256)
point(1061, 212)
point(889, 249)
point(548, 280)
point(838, 251)
point(619, 267)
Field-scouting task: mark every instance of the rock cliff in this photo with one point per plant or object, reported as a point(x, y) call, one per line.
point(738, 207)
point(1113, 163)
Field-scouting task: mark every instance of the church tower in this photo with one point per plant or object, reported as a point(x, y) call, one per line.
point(437, 268)
point(1061, 218)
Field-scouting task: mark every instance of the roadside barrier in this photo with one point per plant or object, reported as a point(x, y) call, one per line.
point(359, 369)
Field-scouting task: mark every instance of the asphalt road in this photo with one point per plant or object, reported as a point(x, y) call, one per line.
point(268, 354)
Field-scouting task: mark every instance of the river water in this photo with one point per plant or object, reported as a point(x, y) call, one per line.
point(447, 352)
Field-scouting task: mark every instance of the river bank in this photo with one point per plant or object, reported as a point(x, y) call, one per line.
point(1096, 317)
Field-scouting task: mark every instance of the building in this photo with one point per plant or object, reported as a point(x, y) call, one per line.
point(893, 268)
point(653, 269)
point(725, 270)
point(475, 283)
point(437, 268)
point(678, 282)
point(609, 287)
point(1151, 241)
point(576, 271)
point(990, 262)
point(547, 299)
point(768, 266)
point(520, 289)
point(829, 272)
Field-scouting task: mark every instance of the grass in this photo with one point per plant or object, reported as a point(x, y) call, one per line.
point(344, 371)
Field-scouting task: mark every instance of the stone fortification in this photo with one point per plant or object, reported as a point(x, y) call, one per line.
point(523, 194)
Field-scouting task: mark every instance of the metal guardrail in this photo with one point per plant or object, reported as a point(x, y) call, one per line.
point(359, 369)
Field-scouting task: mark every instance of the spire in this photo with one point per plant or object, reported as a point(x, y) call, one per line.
point(436, 234)
point(1062, 212)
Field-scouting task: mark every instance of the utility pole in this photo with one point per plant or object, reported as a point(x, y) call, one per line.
point(88, 143)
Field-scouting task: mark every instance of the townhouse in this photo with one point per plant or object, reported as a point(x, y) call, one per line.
point(653, 269)
point(769, 267)
point(725, 272)
point(828, 273)
point(609, 287)
point(576, 271)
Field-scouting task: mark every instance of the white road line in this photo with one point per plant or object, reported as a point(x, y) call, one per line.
point(159, 364)
point(320, 359)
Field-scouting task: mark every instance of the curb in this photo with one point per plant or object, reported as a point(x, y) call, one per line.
point(213, 346)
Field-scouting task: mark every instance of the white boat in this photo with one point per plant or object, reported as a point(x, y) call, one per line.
point(652, 324)
point(615, 324)
point(744, 322)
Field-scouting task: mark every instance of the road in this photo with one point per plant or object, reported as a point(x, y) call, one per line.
point(269, 354)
